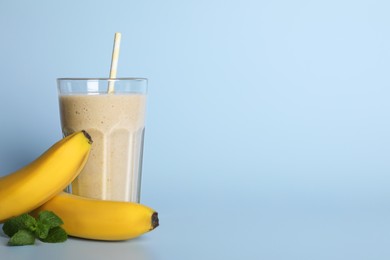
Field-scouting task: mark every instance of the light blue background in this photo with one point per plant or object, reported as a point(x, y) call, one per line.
point(267, 121)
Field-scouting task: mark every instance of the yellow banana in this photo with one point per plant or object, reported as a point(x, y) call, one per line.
point(101, 219)
point(36, 183)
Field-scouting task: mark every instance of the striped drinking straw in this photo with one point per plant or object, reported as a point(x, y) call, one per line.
point(114, 62)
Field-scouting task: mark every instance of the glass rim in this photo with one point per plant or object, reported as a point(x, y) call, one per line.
point(106, 79)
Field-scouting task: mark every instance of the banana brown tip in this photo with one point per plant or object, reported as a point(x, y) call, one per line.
point(155, 221)
point(87, 136)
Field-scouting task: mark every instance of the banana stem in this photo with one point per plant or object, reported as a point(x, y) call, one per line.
point(155, 221)
point(87, 136)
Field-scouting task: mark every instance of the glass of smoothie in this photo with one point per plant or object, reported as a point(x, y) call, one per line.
point(116, 123)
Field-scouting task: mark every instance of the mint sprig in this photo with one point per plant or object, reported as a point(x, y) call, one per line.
point(24, 229)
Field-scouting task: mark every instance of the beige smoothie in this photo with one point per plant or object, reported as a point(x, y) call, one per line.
point(116, 125)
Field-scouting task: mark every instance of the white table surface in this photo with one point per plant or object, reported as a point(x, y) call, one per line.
point(230, 225)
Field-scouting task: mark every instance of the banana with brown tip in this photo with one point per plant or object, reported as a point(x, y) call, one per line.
point(36, 183)
point(101, 219)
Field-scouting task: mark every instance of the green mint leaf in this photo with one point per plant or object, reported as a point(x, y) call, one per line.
point(42, 230)
point(49, 219)
point(21, 238)
point(56, 235)
point(24, 221)
point(10, 227)
point(23, 229)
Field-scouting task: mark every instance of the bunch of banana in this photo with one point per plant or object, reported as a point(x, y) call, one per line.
point(39, 185)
